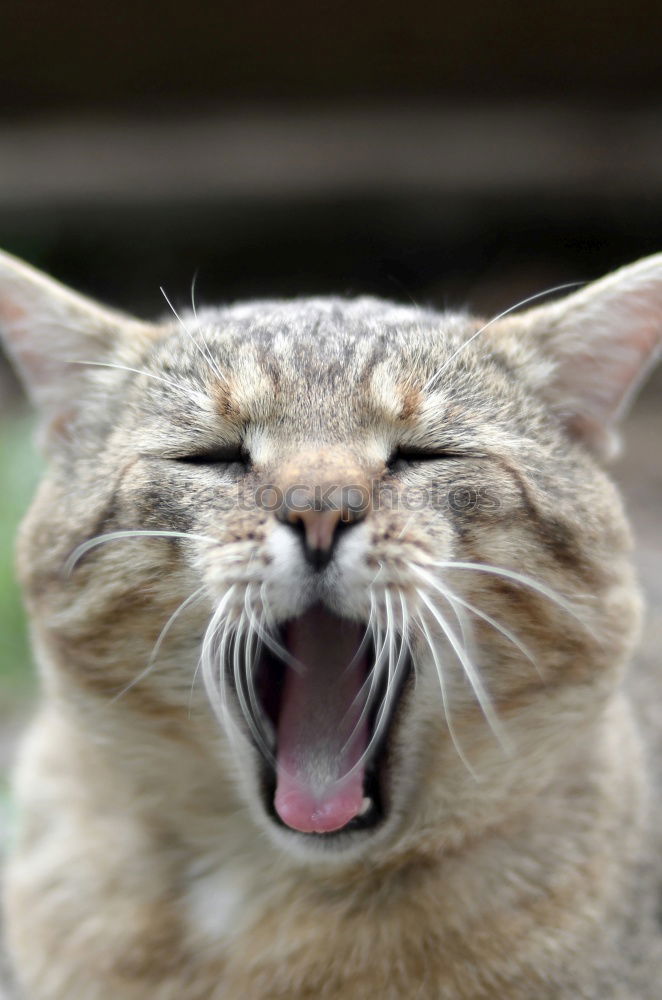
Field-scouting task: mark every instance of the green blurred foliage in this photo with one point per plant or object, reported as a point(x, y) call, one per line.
point(19, 469)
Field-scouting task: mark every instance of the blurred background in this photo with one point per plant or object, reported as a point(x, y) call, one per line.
point(445, 154)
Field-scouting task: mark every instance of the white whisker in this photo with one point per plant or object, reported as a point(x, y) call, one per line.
point(452, 597)
point(368, 689)
point(212, 659)
point(159, 642)
point(470, 671)
point(252, 649)
point(239, 677)
point(193, 306)
point(114, 536)
point(531, 298)
point(365, 642)
point(204, 351)
point(168, 625)
point(466, 632)
point(270, 642)
point(136, 371)
point(192, 688)
point(525, 581)
point(444, 696)
point(395, 666)
point(407, 523)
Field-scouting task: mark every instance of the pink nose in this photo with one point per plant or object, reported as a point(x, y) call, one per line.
point(319, 529)
point(323, 492)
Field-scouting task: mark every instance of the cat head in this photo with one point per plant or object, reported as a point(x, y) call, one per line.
point(380, 535)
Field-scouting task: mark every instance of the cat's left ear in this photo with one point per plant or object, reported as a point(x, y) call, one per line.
point(600, 343)
point(48, 330)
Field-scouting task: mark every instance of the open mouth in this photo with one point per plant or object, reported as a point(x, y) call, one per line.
point(329, 704)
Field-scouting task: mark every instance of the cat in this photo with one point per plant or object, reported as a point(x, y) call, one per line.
point(333, 605)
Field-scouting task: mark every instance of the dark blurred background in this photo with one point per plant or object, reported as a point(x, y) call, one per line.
point(449, 154)
point(425, 150)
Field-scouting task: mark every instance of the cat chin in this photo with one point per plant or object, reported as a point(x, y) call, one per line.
point(355, 842)
point(334, 850)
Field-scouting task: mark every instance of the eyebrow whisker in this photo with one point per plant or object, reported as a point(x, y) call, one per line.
point(506, 312)
point(126, 368)
point(204, 350)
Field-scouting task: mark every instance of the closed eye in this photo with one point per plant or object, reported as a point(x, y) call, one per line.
point(223, 455)
point(414, 455)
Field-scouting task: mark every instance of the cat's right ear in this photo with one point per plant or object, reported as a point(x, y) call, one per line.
point(48, 330)
point(597, 345)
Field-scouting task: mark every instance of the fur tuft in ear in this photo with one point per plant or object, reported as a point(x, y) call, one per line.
point(48, 330)
point(601, 341)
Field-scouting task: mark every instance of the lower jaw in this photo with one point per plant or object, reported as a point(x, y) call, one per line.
point(373, 816)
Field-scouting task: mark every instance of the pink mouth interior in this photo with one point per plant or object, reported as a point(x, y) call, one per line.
point(321, 733)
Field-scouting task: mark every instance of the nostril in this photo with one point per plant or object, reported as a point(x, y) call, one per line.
point(317, 558)
point(318, 530)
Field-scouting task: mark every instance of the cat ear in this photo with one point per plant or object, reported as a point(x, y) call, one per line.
point(601, 342)
point(48, 330)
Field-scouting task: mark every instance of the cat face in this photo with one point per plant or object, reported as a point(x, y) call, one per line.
point(374, 541)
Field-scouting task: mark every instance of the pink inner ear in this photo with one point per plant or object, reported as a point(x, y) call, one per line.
point(10, 312)
point(33, 364)
point(622, 368)
point(602, 341)
point(37, 368)
point(649, 333)
point(593, 390)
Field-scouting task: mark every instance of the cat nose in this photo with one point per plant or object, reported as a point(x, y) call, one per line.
point(320, 529)
point(323, 492)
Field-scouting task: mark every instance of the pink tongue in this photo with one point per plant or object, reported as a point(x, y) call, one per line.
point(319, 783)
